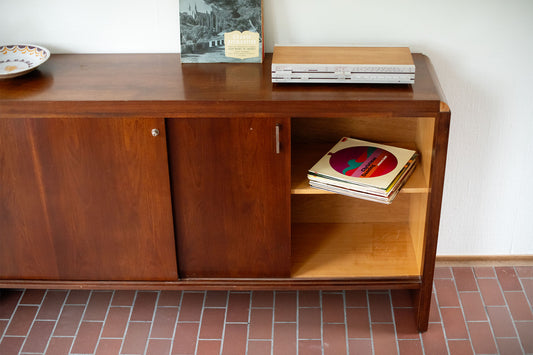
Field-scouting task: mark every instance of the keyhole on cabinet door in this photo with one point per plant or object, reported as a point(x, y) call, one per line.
point(155, 132)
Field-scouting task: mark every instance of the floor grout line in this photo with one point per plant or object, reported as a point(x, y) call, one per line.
point(510, 314)
point(56, 322)
point(176, 323)
point(33, 321)
point(224, 324)
point(128, 322)
point(154, 312)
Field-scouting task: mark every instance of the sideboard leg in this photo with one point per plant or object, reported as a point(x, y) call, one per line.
point(422, 302)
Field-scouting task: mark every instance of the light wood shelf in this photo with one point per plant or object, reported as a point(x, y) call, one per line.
point(353, 250)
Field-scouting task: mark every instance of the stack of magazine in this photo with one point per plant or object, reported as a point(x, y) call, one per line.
point(365, 170)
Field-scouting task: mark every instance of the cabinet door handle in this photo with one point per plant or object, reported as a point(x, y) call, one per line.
point(277, 138)
point(155, 132)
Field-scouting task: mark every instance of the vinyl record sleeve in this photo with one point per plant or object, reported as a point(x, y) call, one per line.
point(363, 163)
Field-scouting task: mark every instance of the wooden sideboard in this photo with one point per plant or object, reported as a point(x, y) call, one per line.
point(135, 171)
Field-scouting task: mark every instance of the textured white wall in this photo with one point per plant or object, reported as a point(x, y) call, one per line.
point(482, 51)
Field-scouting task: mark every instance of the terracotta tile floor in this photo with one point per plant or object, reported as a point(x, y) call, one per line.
point(476, 310)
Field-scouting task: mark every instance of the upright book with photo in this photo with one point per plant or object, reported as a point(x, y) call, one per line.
point(221, 31)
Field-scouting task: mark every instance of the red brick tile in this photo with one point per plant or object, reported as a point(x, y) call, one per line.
point(310, 323)
point(380, 307)
point(8, 302)
point(518, 305)
point(528, 289)
point(261, 323)
point(508, 278)
point(460, 347)
point(433, 340)
point(446, 293)
point(501, 322)
point(87, 338)
point(285, 310)
point(357, 323)
point(260, 347)
point(123, 298)
point(401, 298)
point(356, 298)
point(185, 338)
point(143, 308)
point(164, 322)
point(284, 341)
point(108, 347)
point(212, 326)
point(443, 272)
point(51, 305)
point(136, 338)
point(37, 339)
point(310, 347)
point(384, 339)
point(235, 339)
point(69, 320)
point(405, 320)
point(59, 346)
point(360, 346)
point(158, 346)
point(32, 297)
point(238, 307)
point(191, 307)
point(22, 320)
point(216, 299)
point(509, 346)
point(525, 332)
point(78, 297)
point(473, 306)
point(332, 308)
point(410, 347)
point(334, 339)
point(454, 323)
point(116, 322)
point(263, 299)
point(491, 292)
point(10, 345)
point(97, 307)
point(434, 315)
point(309, 298)
point(464, 279)
point(484, 272)
point(208, 347)
point(3, 326)
point(169, 299)
point(524, 271)
point(481, 337)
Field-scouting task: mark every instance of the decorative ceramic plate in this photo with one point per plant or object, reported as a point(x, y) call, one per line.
point(19, 59)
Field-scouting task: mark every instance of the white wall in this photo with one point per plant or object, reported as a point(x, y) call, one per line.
point(482, 51)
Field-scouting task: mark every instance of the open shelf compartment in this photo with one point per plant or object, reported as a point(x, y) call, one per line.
point(335, 236)
point(361, 250)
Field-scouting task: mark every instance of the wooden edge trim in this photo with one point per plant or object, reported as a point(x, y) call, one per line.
point(484, 260)
point(215, 284)
point(444, 107)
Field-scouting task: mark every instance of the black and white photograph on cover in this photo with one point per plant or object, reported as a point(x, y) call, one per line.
point(217, 31)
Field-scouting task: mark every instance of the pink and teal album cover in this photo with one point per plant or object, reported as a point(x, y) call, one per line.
point(364, 163)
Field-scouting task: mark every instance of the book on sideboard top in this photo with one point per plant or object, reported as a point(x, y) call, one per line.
point(219, 31)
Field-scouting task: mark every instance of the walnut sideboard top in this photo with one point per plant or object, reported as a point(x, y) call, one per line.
point(159, 85)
